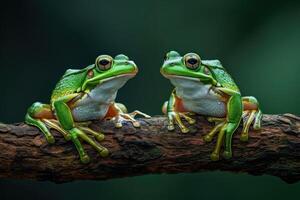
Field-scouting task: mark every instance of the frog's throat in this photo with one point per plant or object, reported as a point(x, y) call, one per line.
point(96, 82)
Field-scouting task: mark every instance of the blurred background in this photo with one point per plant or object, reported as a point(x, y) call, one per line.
point(257, 41)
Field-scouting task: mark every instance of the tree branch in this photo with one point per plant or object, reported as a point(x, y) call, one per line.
point(274, 150)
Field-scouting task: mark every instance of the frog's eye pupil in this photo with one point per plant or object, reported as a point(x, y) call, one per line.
point(104, 62)
point(192, 61)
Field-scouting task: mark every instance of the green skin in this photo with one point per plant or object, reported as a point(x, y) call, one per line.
point(212, 75)
point(75, 89)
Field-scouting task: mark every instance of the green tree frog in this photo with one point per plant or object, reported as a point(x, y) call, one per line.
point(83, 95)
point(204, 87)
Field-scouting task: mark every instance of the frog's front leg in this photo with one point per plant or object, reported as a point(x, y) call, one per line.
point(118, 113)
point(227, 127)
point(66, 121)
point(175, 112)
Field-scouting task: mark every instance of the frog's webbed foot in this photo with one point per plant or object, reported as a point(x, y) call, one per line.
point(80, 131)
point(98, 136)
point(174, 117)
point(136, 112)
point(251, 113)
point(54, 124)
point(225, 131)
point(219, 122)
point(248, 117)
point(122, 117)
point(40, 115)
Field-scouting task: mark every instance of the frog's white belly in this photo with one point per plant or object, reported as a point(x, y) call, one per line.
point(198, 97)
point(95, 104)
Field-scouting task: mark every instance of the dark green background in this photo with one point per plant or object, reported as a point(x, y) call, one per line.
point(258, 42)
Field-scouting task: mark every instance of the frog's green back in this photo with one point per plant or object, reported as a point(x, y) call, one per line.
point(220, 74)
point(69, 83)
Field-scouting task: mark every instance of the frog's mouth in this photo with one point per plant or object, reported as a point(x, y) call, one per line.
point(127, 75)
point(171, 76)
point(109, 86)
point(178, 73)
point(188, 84)
point(96, 82)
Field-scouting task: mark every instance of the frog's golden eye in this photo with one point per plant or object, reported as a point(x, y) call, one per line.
point(104, 62)
point(192, 61)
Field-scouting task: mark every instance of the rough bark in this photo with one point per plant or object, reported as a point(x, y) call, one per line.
point(274, 150)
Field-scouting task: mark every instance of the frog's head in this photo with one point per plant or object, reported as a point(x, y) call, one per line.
point(107, 68)
point(187, 66)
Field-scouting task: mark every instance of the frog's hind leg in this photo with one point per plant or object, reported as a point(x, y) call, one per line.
point(251, 113)
point(34, 117)
point(40, 115)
